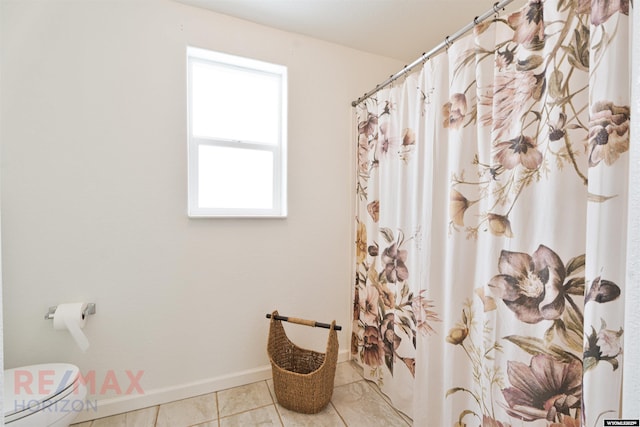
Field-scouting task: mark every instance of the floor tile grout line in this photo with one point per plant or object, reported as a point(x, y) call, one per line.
point(217, 409)
point(338, 413)
point(155, 421)
point(274, 401)
point(387, 400)
point(279, 414)
point(273, 398)
point(246, 410)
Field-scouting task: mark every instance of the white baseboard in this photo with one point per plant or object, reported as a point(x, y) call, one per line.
point(107, 407)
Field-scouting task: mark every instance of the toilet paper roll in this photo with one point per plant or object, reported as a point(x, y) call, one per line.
point(70, 317)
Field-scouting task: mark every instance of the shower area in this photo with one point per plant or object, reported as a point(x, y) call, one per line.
point(491, 221)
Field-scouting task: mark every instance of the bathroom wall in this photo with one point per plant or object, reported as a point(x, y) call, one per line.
point(94, 198)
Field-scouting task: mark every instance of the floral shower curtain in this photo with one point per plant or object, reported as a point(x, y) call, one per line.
point(490, 247)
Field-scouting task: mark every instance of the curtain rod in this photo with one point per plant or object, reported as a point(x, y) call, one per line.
point(497, 6)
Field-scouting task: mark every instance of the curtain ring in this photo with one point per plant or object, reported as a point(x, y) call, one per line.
point(447, 42)
point(404, 72)
point(496, 9)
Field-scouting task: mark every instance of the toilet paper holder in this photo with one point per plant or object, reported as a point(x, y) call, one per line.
point(91, 309)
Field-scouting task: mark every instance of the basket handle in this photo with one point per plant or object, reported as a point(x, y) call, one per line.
point(304, 322)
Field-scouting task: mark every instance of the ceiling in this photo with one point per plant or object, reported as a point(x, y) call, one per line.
point(401, 29)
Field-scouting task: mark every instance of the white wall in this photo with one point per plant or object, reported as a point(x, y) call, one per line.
point(94, 197)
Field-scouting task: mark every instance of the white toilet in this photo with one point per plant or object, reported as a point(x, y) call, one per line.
point(47, 395)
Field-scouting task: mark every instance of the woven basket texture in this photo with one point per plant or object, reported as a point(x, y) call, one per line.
point(302, 379)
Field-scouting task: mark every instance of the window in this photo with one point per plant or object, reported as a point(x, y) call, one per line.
point(237, 113)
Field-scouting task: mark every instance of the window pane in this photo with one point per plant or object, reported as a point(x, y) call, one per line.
point(235, 178)
point(235, 104)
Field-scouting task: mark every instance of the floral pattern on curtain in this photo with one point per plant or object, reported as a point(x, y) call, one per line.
point(491, 192)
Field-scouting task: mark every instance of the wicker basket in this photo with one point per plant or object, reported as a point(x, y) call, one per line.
point(302, 379)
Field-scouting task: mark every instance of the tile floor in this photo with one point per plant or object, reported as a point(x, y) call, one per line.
point(355, 403)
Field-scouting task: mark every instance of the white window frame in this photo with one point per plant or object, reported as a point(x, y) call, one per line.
point(279, 150)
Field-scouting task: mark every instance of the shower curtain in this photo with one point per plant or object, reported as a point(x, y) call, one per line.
point(490, 224)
